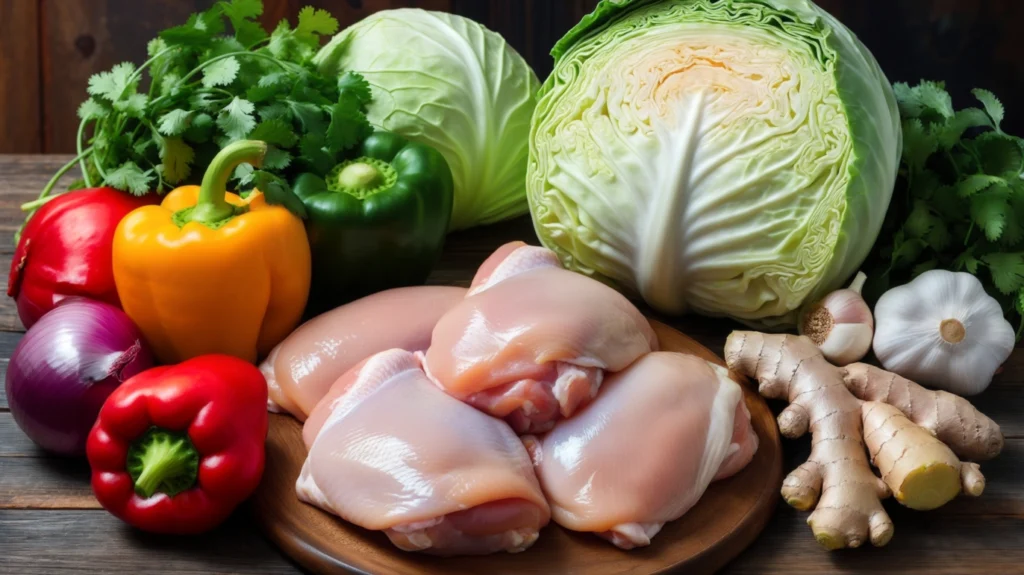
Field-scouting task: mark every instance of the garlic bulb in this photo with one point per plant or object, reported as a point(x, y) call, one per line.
point(944, 331)
point(841, 324)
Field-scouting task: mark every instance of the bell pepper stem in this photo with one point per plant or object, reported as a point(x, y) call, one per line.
point(212, 206)
point(163, 461)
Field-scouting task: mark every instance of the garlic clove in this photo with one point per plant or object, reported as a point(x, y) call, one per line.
point(847, 343)
point(841, 324)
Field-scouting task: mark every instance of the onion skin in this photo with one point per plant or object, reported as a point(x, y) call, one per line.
point(64, 368)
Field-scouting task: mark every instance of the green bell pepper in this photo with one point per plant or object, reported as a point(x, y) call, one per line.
point(377, 221)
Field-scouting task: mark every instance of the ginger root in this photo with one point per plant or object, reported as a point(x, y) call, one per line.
point(915, 437)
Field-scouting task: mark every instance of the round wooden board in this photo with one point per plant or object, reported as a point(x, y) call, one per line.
point(725, 521)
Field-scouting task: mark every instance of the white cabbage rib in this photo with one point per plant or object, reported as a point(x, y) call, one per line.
point(705, 166)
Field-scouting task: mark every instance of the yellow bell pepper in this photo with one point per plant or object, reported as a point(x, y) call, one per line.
point(209, 272)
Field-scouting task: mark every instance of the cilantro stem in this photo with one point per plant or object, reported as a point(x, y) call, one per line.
point(53, 180)
point(200, 67)
point(81, 154)
point(967, 239)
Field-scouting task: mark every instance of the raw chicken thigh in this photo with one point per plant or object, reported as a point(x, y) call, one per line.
point(645, 450)
point(392, 452)
point(301, 369)
point(532, 342)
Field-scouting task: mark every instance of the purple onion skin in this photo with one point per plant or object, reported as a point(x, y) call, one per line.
point(64, 368)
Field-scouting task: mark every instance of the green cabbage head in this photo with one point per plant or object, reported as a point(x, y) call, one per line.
point(729, 157)
point(448, 82)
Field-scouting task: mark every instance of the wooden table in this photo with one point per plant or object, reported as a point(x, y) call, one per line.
point(50, 522)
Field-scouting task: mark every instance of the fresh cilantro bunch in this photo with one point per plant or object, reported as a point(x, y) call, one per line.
point(156, 126)
point(959, 201)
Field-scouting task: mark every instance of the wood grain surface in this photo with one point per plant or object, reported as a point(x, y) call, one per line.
point(49, 48)
point(726, 520)
point(967, 537)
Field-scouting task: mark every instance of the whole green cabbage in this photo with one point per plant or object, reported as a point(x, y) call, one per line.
point(448, 82)
point(730, 157)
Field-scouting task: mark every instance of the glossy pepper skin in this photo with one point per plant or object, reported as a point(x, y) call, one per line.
point(65, 251)
point(233, 280)
point(176, 449)
point(377, 221)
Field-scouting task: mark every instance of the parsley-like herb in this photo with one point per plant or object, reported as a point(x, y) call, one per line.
point(959, 200)
point(152, 127)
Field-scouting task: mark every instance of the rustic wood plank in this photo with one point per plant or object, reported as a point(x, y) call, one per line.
point(20, 119)
point(83, 541)
point(14, 442)
point(45, 483)
point(923, 544)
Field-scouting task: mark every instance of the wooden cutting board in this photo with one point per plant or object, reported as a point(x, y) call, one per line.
point(725, 521)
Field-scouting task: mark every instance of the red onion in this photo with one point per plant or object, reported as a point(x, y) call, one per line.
point(64, 368)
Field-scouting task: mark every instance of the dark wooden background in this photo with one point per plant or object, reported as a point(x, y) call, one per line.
point(49, 48)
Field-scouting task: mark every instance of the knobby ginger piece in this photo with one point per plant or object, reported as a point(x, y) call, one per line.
point(914, 437)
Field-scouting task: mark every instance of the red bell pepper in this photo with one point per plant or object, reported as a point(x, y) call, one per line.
point(176, 449)
point(65, 250)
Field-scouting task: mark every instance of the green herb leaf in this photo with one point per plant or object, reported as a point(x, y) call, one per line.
point(177, 158)
point(276, 159)
point(131, 178)
point(976, 183)
point(918, 144)
point(236, 120)
point(92, 109)
point(242, 14)
point(924, 266)
point(133, 106)
point(198, 32)
point(312, 147)
point(174, 123)
point(200, 129)
point(348, 127)
point(278, 192)
point(1000, 153)
point(993, 107)
point(967, 261)
point(275, 132)
point(988, 210)
point(220, 72)
point(314, 23)
point(112, 85)
point(355, 86)
point(963, 120)
point(1007, 271)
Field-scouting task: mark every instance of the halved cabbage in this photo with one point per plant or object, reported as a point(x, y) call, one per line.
point(730, 157)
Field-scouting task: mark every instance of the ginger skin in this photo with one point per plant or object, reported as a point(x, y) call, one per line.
point(914, 436)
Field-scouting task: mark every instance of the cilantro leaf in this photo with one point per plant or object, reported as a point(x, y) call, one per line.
point(278, 192)
point(111, 85)
point(200, 129)
point(354, 85)
point(910, 106)
point(933, 96)
point(220, 72)
point(92, 109)
point(131, 178)
point(993, 107)
point(236, 119)
point(274, 112)
point(988, 210)
point(314, 23)
point(976, 183)
point(918, 144)
point(924, 266)
point(276, 159)
point(244, 174)
point(967, 261)
point(312, 149)
point(242, 14)
point(964, 120)
point(177, 157)
point(155, 46)
point(1007, 271)
point(921, 221)
point(275, 132)
point(198, 32)
point(1013, 232)
point(134, 106)
point(1000, 154)
point(348, 127)
point(174, 123)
